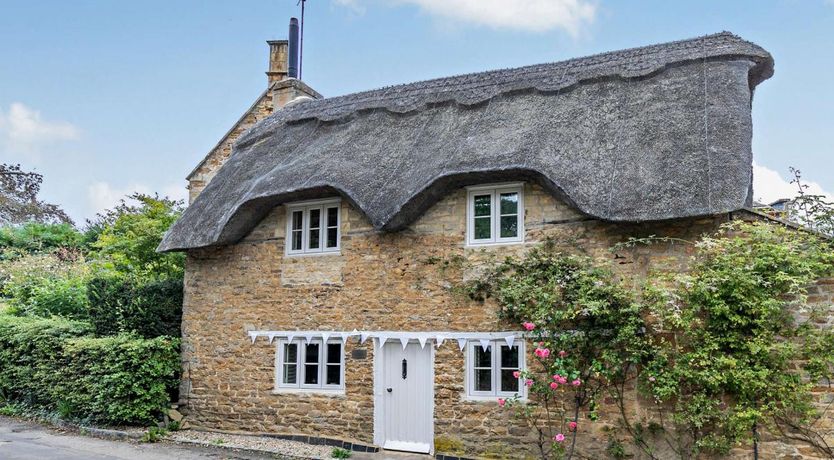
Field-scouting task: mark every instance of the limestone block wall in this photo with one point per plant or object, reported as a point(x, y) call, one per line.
point(378, 281)
point(198, 180)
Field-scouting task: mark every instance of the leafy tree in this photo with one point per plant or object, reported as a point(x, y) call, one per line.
point(36, 237)
point(19, 198)
point(127, 236)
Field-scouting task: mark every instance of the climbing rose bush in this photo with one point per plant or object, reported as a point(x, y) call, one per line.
point(588, 334)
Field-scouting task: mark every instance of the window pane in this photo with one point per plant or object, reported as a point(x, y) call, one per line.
point(508, 382)
point(483, 380)
point(509, 226)
point(333, 375)
point(509, 357)
point(290, 352)
point(334, 353)
point(290, 373)
point(311, 353)
point(314, 239)
point(483, 358)
point(297, 219)
point(332, 217)
point(290, 360)
point(311, 374)
point(509, 203)
point(483, 205)
point(315, 218)
point(483, 228)
point(314, 232)
point(296, 240)
point(332, 237)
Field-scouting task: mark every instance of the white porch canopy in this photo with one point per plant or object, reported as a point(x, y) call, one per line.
point(484, 338)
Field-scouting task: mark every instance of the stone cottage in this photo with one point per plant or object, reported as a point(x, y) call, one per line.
point(315, 306)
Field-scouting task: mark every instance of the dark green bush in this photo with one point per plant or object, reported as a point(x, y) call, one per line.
point(150, 309)
point(54, 364)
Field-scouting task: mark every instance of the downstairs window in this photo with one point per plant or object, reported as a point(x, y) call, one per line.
point(313, 366)
point(489, 372)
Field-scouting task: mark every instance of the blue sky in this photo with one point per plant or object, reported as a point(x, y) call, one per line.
point(107, 97)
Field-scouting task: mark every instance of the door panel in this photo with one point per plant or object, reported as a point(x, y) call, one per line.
point(407, 392)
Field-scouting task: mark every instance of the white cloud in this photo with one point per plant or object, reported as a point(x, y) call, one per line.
point(529, 15)
point(354, 5)
point(769, 186)
point(23, 132)
point(103, 195)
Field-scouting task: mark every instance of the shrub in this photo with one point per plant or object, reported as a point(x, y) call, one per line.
point(54, 364)
point(35, 237)
point(45, 285)
point(118, 304)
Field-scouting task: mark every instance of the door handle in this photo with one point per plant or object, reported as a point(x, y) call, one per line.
point(390, 390)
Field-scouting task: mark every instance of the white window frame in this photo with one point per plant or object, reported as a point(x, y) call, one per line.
point(305, 207)
point(471, 394)
point(494, 191)
point(299, 386)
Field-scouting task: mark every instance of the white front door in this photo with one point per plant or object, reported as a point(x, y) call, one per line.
point(407, 397)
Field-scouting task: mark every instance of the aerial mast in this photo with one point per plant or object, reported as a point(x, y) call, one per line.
point(301, 45)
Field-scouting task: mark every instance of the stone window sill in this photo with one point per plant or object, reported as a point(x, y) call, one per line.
point(487, 399)
point(310, 392)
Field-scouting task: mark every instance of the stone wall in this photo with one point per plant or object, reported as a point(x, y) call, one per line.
point(205, 172)
point(279, 94)
point(397, 281)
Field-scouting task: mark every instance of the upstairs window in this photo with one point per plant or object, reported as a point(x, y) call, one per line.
point(313, 227)
point(491, 372)
point(310, 366)
point(495, 214)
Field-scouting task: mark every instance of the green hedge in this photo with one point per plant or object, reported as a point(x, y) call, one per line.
point(150, 309)
point(54, 364)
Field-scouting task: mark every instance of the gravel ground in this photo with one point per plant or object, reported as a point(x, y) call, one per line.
point(278, 446)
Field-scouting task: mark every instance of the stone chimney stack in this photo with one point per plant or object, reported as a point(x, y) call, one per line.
point(278, 55)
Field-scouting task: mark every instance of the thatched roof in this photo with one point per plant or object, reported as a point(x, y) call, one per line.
point(653, 133)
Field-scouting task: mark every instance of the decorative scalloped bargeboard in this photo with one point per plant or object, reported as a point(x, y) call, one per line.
point(404, 337)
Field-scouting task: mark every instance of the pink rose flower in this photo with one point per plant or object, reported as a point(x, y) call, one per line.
point(562, 353)
point(556, 377)
point(528, 325)
point(554, 385)
point(542, 352)
point(572, 426)
point(516, 374)
point(576, 382)
point(529, 383)
point(559, 437)
point(501, 402)
point(562, 380)
point(651, 379)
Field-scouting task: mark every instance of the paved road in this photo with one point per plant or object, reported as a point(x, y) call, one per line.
point(28, 441)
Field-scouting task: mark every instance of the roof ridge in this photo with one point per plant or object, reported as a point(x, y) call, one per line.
point(725, 33)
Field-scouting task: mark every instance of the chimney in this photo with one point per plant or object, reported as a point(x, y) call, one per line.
point(292, 64)
point(277, 61)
